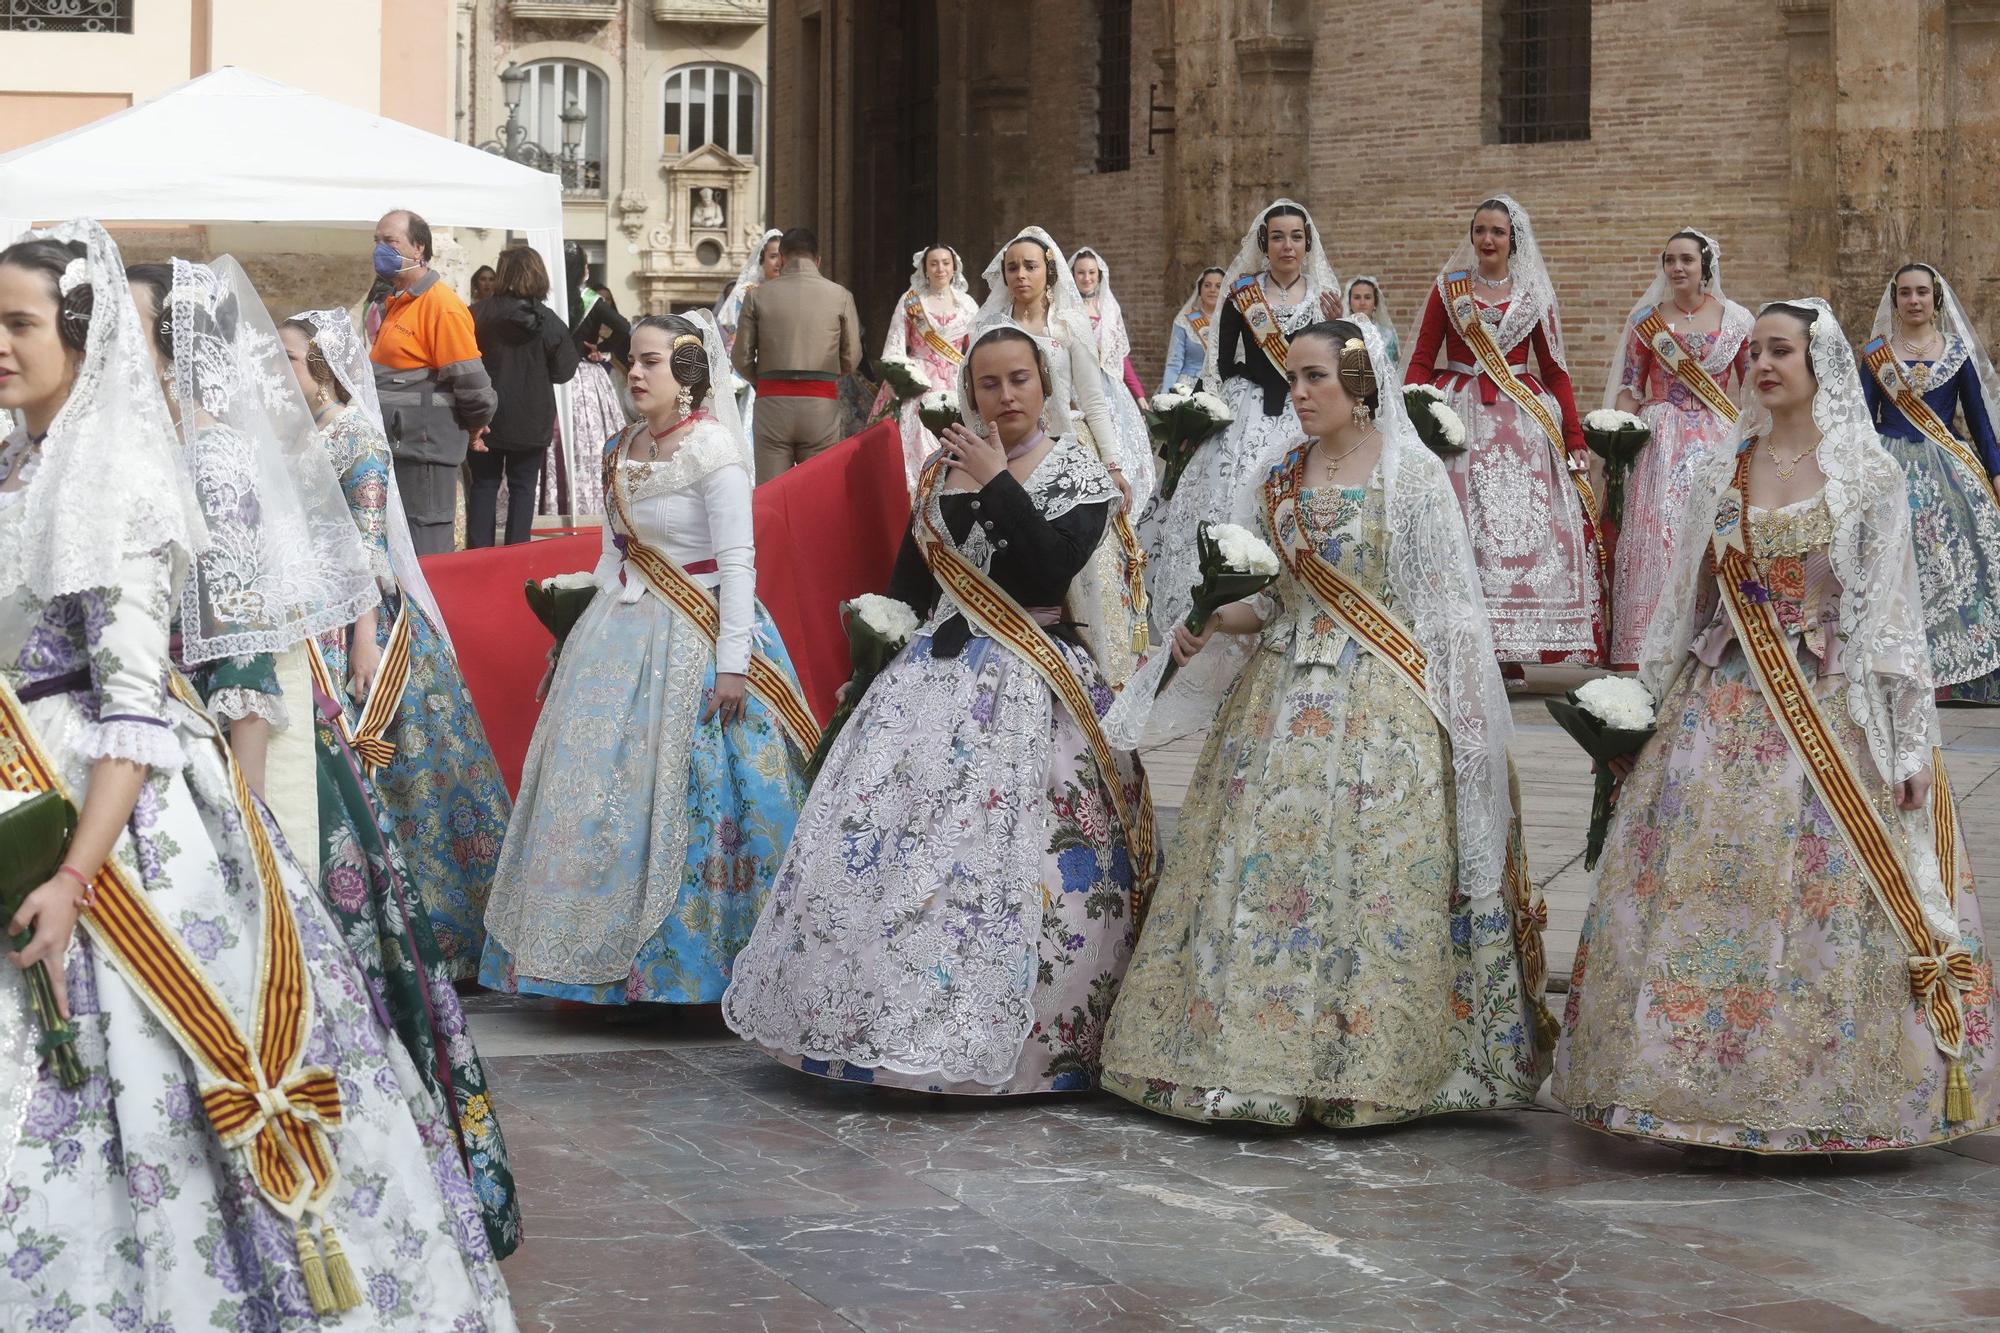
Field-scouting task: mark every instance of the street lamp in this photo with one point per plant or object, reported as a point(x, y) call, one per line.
point(573, 119)
point(512, 142)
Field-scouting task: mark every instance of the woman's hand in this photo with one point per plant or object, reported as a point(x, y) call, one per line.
point(1124, 490)
point(1186, 645)
point(364, 663)
point(50, 912)
point(1329, 305)
point(840, 695)
point(548, 678)
point(1914, 791)
point(981, 459)
point(726, 701)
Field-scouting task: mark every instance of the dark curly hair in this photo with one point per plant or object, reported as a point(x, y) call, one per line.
point(317, 365)
point(50, 258)
point(1355, 371)
point(689, 359)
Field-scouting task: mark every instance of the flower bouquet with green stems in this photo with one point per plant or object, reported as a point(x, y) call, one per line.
point(1616, 437)
point(1179, 422)
point(1440, 428)
point(1235, 564)
point(1610, 717)
point(938, 409)
point(35, 832)
point(559, 602)
point(877, 629)
point(903, 376)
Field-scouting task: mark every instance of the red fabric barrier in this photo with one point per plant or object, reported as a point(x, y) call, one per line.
point(827, 531)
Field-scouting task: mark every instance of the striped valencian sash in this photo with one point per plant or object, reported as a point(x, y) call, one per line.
point(1682, 364)
point(1382, 632)
point(1135, 579)
point(368, 738)
point(997, 615)
point(1888, 373)
point(1248, 298)
point(260, 1098)
point(920, 320)
point(1939, 969)
point(769, 682)
point(1465, 314)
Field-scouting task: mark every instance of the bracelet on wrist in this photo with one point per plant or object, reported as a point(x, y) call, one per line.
point(88, 897)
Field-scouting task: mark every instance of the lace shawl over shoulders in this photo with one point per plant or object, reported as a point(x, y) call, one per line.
point(707, 447)
point(1070, 476)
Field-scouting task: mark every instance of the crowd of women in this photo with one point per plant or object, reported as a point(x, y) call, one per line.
point(286, 849)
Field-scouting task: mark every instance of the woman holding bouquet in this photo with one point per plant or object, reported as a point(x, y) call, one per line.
point(1687, 400)
point(1193, 333)
point(1925, 366)
point(1122, 390)
point(955, 909)
point(1029, 286)
point(1316, 950)
point(1784, 952)
point(664, 774)
point(930, 327)
point(175, 881)
point(1523, 478)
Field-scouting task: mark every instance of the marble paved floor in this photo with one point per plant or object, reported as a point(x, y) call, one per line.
point(673, 1179)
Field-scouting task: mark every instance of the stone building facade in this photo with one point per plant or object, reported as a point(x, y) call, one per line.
point(1823, 142)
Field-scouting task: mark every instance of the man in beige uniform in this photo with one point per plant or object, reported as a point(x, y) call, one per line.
point(796, 336)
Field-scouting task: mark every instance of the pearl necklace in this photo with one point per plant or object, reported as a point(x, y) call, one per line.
point(1493, 284)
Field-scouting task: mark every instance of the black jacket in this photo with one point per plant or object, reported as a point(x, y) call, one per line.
point(1239, 356)
point(606, 328)
point(527, 352)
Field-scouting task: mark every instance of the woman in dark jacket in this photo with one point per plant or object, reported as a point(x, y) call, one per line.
point(528, 351)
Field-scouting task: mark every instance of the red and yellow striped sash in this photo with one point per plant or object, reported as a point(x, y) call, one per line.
point(769, 682)
point(1135, 579)
point(1248, 298)
point(369, 738)
point(1682, 364)
point(260, 1099)
point(920, 320)
point(1465, 314)
point(1888, 372)
point(1939, 969)
point(987, 605)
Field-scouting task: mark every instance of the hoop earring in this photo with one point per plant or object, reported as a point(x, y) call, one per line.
point(685, 400)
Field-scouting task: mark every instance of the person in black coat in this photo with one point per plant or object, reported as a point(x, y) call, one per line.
point(528, 351)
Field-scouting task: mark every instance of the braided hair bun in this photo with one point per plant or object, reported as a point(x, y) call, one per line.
point(689, 359)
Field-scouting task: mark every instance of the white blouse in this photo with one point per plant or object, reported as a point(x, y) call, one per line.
point(694, 506)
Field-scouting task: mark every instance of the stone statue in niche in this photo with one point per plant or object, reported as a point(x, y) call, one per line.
point(708, 207)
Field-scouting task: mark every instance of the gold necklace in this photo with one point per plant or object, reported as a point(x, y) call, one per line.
point(1336, 460)
point(1785, 468)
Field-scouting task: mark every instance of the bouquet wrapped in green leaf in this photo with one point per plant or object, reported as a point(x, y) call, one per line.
point(1180, 421)
point(1235, 564)
point(902, 377)
point(35, 830)
point(560, 602)
point(877, 629)
point(1440, 428)
point(1616, 437)
point(937, 409)
point(1610, 717)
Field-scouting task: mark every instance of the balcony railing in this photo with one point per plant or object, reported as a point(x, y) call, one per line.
point(65, 15)
point(747, 13)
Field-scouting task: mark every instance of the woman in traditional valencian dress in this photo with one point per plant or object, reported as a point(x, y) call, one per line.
point(1122, 390)
point(1523, 475)
point(570, 482)
point(115, 1183)
point(931, 326)
point(955, 910)
point(1689, 399)
point(1194, 332)
point(1925, 365)
point(1030, 287)
point(666, 768)
point(363, 873)
point(764, 264)
point(1279, 282)
point(1318, 949)
point(1364, 301)
point(1784, 952)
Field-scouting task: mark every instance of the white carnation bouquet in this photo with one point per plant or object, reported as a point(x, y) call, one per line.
point(1180, 421)
point(1611, 717)
point(1616, 437)
point(877, 627)
point(903, 377)
point(937, 409)
point(560, 602)
point(1440, 428)
point(1235, 564)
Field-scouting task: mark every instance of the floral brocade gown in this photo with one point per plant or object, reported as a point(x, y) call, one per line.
point(443, 792)
point(1736, 984)
point(1309, 955)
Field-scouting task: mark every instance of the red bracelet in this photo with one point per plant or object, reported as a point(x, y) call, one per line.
point(89, 899)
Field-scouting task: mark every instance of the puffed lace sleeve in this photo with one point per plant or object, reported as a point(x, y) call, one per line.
point(126, 629)
point(240, 687)
point(725, 496)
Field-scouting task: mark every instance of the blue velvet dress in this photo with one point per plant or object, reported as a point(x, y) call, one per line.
point(1954, 519)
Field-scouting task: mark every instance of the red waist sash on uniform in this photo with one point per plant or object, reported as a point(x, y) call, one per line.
point(781, 385)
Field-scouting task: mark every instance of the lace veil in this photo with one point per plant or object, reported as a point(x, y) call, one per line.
point(111, 481)
point(730, 305)
point(1953, 323)
point(1889, 691)
point(1114, 340)
point(285, 561)
point(1533, 299)
point(1192, 305)
point(721, 402)
point(1066, 316)
point(920, 281)
point(1736, 320)
point(1249, 259)
point(347, 355)
point(1381, 318)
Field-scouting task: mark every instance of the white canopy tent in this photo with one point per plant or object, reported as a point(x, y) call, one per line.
point(231, 147)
